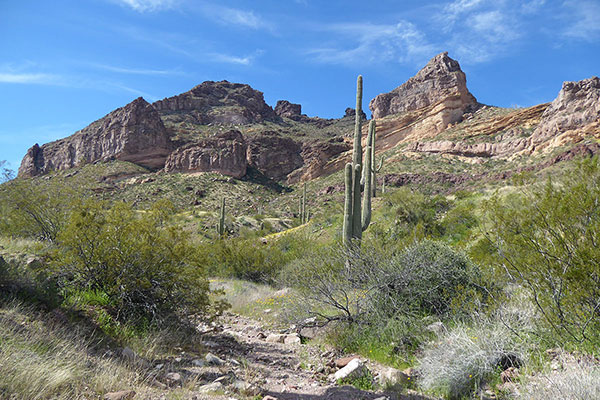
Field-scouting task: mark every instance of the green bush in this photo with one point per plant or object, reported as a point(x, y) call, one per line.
point(430, 278)
point(146, 268)
point(547, 238)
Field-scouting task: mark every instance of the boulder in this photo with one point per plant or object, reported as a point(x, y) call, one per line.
point(355, 369)
point(393, 377)
point(275, 338)
point(342, 362)
point(293, 338)
point(211, 359)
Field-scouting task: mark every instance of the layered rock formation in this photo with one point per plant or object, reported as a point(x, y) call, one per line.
point(440, 81)
point(224, 153)
point(217, 102)
point(574, 113)
point(320, 158)
point(273, 155)
point(132, 133)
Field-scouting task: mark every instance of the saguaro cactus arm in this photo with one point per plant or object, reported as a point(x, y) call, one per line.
point(348, 200)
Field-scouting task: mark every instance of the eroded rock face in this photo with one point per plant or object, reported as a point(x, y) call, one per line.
point(319, 159)
point(575, 110)
point(224, 153)
point(273, 155)
point(286, 109)
point(132, 133)
point(440, 80)
point(351, 112)
point(471, 150)
point(217, 102)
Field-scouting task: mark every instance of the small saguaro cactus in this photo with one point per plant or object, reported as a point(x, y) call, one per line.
point(221, 224)
point(302, 211)
point(357, 216)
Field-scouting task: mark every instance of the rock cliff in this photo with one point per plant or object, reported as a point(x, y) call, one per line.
point(224, 153)
point(286, 109)
point(273, 155)
point(575, 113)
point(441, 80)
point(133, 133)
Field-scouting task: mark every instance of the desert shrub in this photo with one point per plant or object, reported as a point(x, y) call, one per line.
point(547, 237)
point(468, 355)
point(146, 268)
point(578, 380)
point(35, 209)
point(429, 278)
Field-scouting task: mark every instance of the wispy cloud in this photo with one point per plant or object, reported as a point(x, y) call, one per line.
point(583, 20)
point(235, 16)
point(30, 78)
point(147, 5)
point(136, 71)
point(373, 43)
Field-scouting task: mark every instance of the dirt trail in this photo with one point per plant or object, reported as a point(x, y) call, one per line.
point(281, 370)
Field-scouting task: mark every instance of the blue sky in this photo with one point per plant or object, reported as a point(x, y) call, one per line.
point(64, 64)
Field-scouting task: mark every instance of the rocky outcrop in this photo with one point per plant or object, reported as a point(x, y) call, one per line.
point(224, 153)
point(471, 150)
point(217, 103)
point(273, 155)
point(289, 110)
point(574, 114)
point(440, 81)
point(132, 133)
point(351, 112)
point(320, 158)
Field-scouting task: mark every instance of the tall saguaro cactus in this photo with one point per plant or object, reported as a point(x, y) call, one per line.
point(357, 216)
point(303, 211)
point(221, 224)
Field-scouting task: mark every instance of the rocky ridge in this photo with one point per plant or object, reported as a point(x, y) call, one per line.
point(227, 127)
point(132, 133)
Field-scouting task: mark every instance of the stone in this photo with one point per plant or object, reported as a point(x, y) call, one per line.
point(122, 395)
point(173, 378)
point(198, 363)
point(342, 362)
point(224, 153)
point(128, 354)
point(293, 338)
point(393, 377)
point(133, 133)
point(269, 397)
point(211, 359)
point(440, 80)
point(275, 338)
point(354, 369)
point(211, 387)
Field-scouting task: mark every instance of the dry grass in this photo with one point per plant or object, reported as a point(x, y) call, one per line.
point(40, 359)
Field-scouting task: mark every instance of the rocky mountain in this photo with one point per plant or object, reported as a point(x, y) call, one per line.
point(132, 133)
point(228, 128)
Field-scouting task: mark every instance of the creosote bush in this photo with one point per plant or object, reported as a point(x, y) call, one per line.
point(146, 268)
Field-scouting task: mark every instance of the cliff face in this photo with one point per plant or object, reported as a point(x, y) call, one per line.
point(132, 133)
point(441, 80)
point(574, 114)
point(217, 102)
point(225, 153)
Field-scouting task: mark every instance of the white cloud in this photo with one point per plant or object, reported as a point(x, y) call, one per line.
point(583, 20)
point(135, 71)
point(235, 16)
point(147, 5)
point(29, 78)
point(373, 43)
